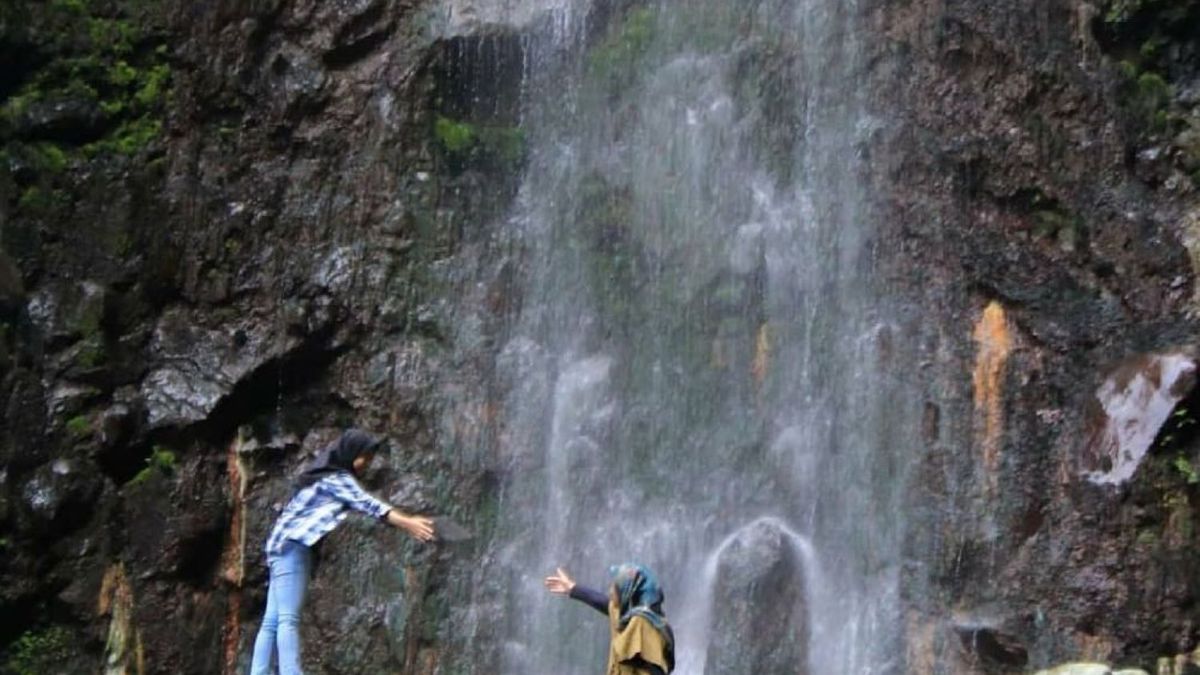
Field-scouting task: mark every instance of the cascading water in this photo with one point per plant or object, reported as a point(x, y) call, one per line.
point(700, 367)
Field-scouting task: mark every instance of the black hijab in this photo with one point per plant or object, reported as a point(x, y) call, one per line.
point(337, 457)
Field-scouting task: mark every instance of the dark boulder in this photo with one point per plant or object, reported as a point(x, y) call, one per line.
point(12, 287)
point(71, 117)
point(58, 496)
point(760, 612)
point(177, 526)
point(22, 437)
point(993, 647)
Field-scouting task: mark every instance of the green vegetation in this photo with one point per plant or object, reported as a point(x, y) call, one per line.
point(613, 62)
point(91, 352)
point(1146, 96)
point(79, 426)
point(160, 462)
point(1178, 426)
point(462, 141)
point(71, 6)
point(1188, 142)
point(1153, 97)
point(129, 138)
point(34, 199)
point(1121, 10)
point(1162, 12)
point(1184, 467)
point(39, 652)
point(1147, 36)
point(49, 157)
point(1179, 518)
point(106, 64)
point(454, 136)
point(1055, 224)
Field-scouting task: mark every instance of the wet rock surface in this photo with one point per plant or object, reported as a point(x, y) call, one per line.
point(192, 262)
point(1134, 403)
point(1035, 176)
point(760, 614)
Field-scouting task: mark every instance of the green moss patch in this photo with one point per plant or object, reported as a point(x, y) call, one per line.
point(161, 462)
point(462, 143)
point(79, 426)
point(39, 652)
point(104, 89)
point(614, 59)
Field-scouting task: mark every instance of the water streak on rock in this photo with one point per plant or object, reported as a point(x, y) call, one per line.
point(994, 343)
point(123, 653)
point(233, 567)
point(762, 354)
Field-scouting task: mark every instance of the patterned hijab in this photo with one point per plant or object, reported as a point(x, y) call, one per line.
point(639, 594)
point(337, 457)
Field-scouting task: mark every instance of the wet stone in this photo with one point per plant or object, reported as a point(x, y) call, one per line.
point(198, 367)
point(4, 505)
point(1089, 669)
point(116, 424)
point(73, 119)
point(1129, 409)
point(12, 289)
point(180, 394)
point(22, 434)
point(58, 496)
point(760, 582)
point(67, 400)
point(993, 646)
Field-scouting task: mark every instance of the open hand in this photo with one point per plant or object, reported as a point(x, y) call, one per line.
point(419, 527)
point(560, 583)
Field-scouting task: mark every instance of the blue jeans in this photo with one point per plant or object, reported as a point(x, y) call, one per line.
point(281, 623)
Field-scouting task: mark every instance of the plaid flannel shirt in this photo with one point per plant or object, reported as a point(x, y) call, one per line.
point(317, 509)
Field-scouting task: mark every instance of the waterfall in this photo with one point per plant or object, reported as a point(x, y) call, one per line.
point(698, 344)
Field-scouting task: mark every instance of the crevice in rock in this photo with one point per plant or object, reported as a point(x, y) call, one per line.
point(121, 462)
point(1182, 428)
point(264, 388)
point(348, 54)
point(356, 40)
point(993, 647)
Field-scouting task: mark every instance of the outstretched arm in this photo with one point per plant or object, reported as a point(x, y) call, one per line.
point(419, 527)
point(345, 488)
point(561, 583)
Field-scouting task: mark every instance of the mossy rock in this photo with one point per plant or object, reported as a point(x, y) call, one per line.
point(102, 88)
point(613, 62)
point(40, 652)
point(464, 144)
point(160, 463)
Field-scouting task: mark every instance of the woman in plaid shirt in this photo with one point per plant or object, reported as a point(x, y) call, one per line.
point(325, 493)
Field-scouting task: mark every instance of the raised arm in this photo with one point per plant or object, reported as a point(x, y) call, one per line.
point(561, 583)
point(591, 597)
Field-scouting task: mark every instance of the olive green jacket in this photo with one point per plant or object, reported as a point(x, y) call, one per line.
point(639, 642)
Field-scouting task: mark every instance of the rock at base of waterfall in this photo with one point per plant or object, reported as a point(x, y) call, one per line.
point(993, 646)
point(1088, 669)
point(760, 614)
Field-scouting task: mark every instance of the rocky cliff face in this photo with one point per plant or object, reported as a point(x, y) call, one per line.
point(230, 228)
point(221, 230)
point(1044, 186)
